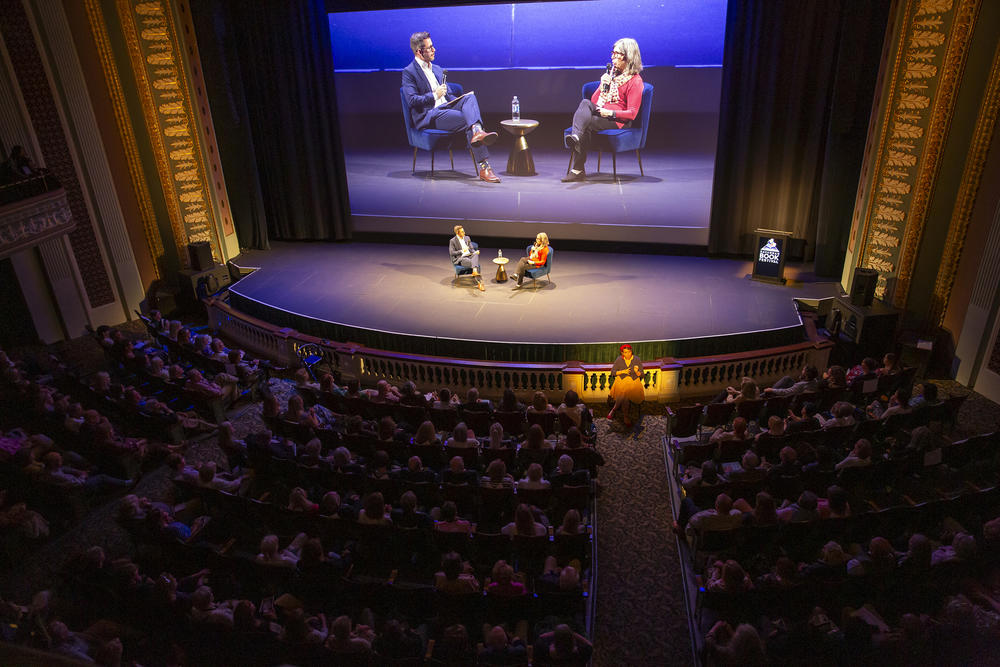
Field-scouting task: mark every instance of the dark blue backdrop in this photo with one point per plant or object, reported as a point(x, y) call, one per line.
point(549, 35)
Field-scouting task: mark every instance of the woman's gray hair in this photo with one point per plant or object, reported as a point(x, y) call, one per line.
point(633, 59)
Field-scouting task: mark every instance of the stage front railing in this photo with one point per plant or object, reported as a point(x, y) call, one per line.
point(667, 380)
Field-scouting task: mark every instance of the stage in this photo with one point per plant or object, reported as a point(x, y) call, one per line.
point(406, 299)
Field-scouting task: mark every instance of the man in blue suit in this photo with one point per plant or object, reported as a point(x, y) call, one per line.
point(427, 99)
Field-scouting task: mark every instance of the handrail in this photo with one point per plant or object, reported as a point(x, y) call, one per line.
point(667, 380)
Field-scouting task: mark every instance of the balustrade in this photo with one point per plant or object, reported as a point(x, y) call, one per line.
point(667, 380)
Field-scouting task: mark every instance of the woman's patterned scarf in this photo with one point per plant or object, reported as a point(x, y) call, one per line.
point(611, 94)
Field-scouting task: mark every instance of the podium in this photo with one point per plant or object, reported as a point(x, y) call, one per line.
point(770, 248)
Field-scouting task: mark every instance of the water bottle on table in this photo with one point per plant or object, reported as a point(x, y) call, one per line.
point(515, 109)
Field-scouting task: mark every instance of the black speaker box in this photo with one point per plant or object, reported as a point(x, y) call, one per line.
point(863, 286)
point(871, 328)
point(212, 280)
point(200, 254)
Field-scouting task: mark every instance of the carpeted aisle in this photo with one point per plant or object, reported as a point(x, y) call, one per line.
point(641, 618)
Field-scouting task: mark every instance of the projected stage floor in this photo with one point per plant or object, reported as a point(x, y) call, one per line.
point(669, 204)
point(593, 297)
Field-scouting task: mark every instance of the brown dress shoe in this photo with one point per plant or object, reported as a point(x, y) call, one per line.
point(482, 137)
point(486, 174)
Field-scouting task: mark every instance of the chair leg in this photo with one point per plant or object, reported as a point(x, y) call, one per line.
point(432, 163)
point(614, 166)
point(639, 158)
point(475, 165)
point(452, 156)
point(413, 169)
point(569, 165)
point(598, 162)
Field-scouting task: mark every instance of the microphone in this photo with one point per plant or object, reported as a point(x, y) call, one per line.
point(604, 87)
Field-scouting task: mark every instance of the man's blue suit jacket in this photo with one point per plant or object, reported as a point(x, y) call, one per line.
point(419, 96)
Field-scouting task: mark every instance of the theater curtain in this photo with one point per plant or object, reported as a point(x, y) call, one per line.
point(798, 84)
point(269, 75)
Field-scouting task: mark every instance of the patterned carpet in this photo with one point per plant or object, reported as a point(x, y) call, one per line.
point(641, 617)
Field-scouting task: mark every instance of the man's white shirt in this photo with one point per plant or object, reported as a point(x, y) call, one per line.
point(428, 71)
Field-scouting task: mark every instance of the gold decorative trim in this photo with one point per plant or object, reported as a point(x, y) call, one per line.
point(944, 104)
point(930, 55)
point(884, 133)
point(154, 242)
point(972, 174)
point(157, 59)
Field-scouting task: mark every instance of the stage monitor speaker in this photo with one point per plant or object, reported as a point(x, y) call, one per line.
point(210, 281)
point(871, 328)
point(200, 254)
point(863, 286)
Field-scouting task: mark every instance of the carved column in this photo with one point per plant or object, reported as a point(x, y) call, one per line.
point(162, 61)
point(925, 67)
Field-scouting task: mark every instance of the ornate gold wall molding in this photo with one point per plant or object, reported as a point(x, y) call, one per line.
point(125, 130)
point(157, 60)
point(931, 50)
point(972, 174)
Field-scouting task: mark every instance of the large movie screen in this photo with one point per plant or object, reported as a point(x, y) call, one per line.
point(649, 180)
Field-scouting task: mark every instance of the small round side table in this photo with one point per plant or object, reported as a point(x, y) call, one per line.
point(520, 162)
point(501, 271)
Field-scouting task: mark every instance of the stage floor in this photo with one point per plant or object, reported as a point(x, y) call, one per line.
point(671, 203)
point(593, 297)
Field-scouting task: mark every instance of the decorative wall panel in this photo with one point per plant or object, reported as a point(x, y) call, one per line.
point(927, 66)
point(157, 61)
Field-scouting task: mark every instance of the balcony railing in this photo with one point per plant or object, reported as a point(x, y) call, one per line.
point(667, 380)
point(31, 211)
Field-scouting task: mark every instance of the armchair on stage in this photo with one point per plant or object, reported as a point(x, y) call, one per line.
point(616, 140)
point(430, 139)
point(543, 270)
point(463, 270)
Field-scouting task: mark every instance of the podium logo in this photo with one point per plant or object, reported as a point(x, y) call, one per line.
point(770, 253)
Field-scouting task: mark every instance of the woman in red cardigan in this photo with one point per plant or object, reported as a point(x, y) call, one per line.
point(615, 103)
point(537, 255)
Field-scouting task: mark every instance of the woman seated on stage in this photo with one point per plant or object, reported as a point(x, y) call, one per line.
point(614, 104)
point(628, 385)
point(537, 255)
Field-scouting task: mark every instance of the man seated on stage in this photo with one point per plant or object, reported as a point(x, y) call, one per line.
point(465, 253)
point(431, 106)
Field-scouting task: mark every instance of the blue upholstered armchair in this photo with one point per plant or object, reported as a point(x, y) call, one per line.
point(431, 139)
point(617, 141)
point(543, 270)
point(461, 270)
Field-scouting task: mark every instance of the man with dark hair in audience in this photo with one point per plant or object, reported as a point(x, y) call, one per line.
point(805, 421)
point(788, 386)
point(864, 371)
point(562, 646)
point(803, 509)
point(722, 517)
point(408, 516)
point(415, 473)
point(788, 464)
point(928, 396)
point(706, 475)
point(58, 474)
point(457, 474)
